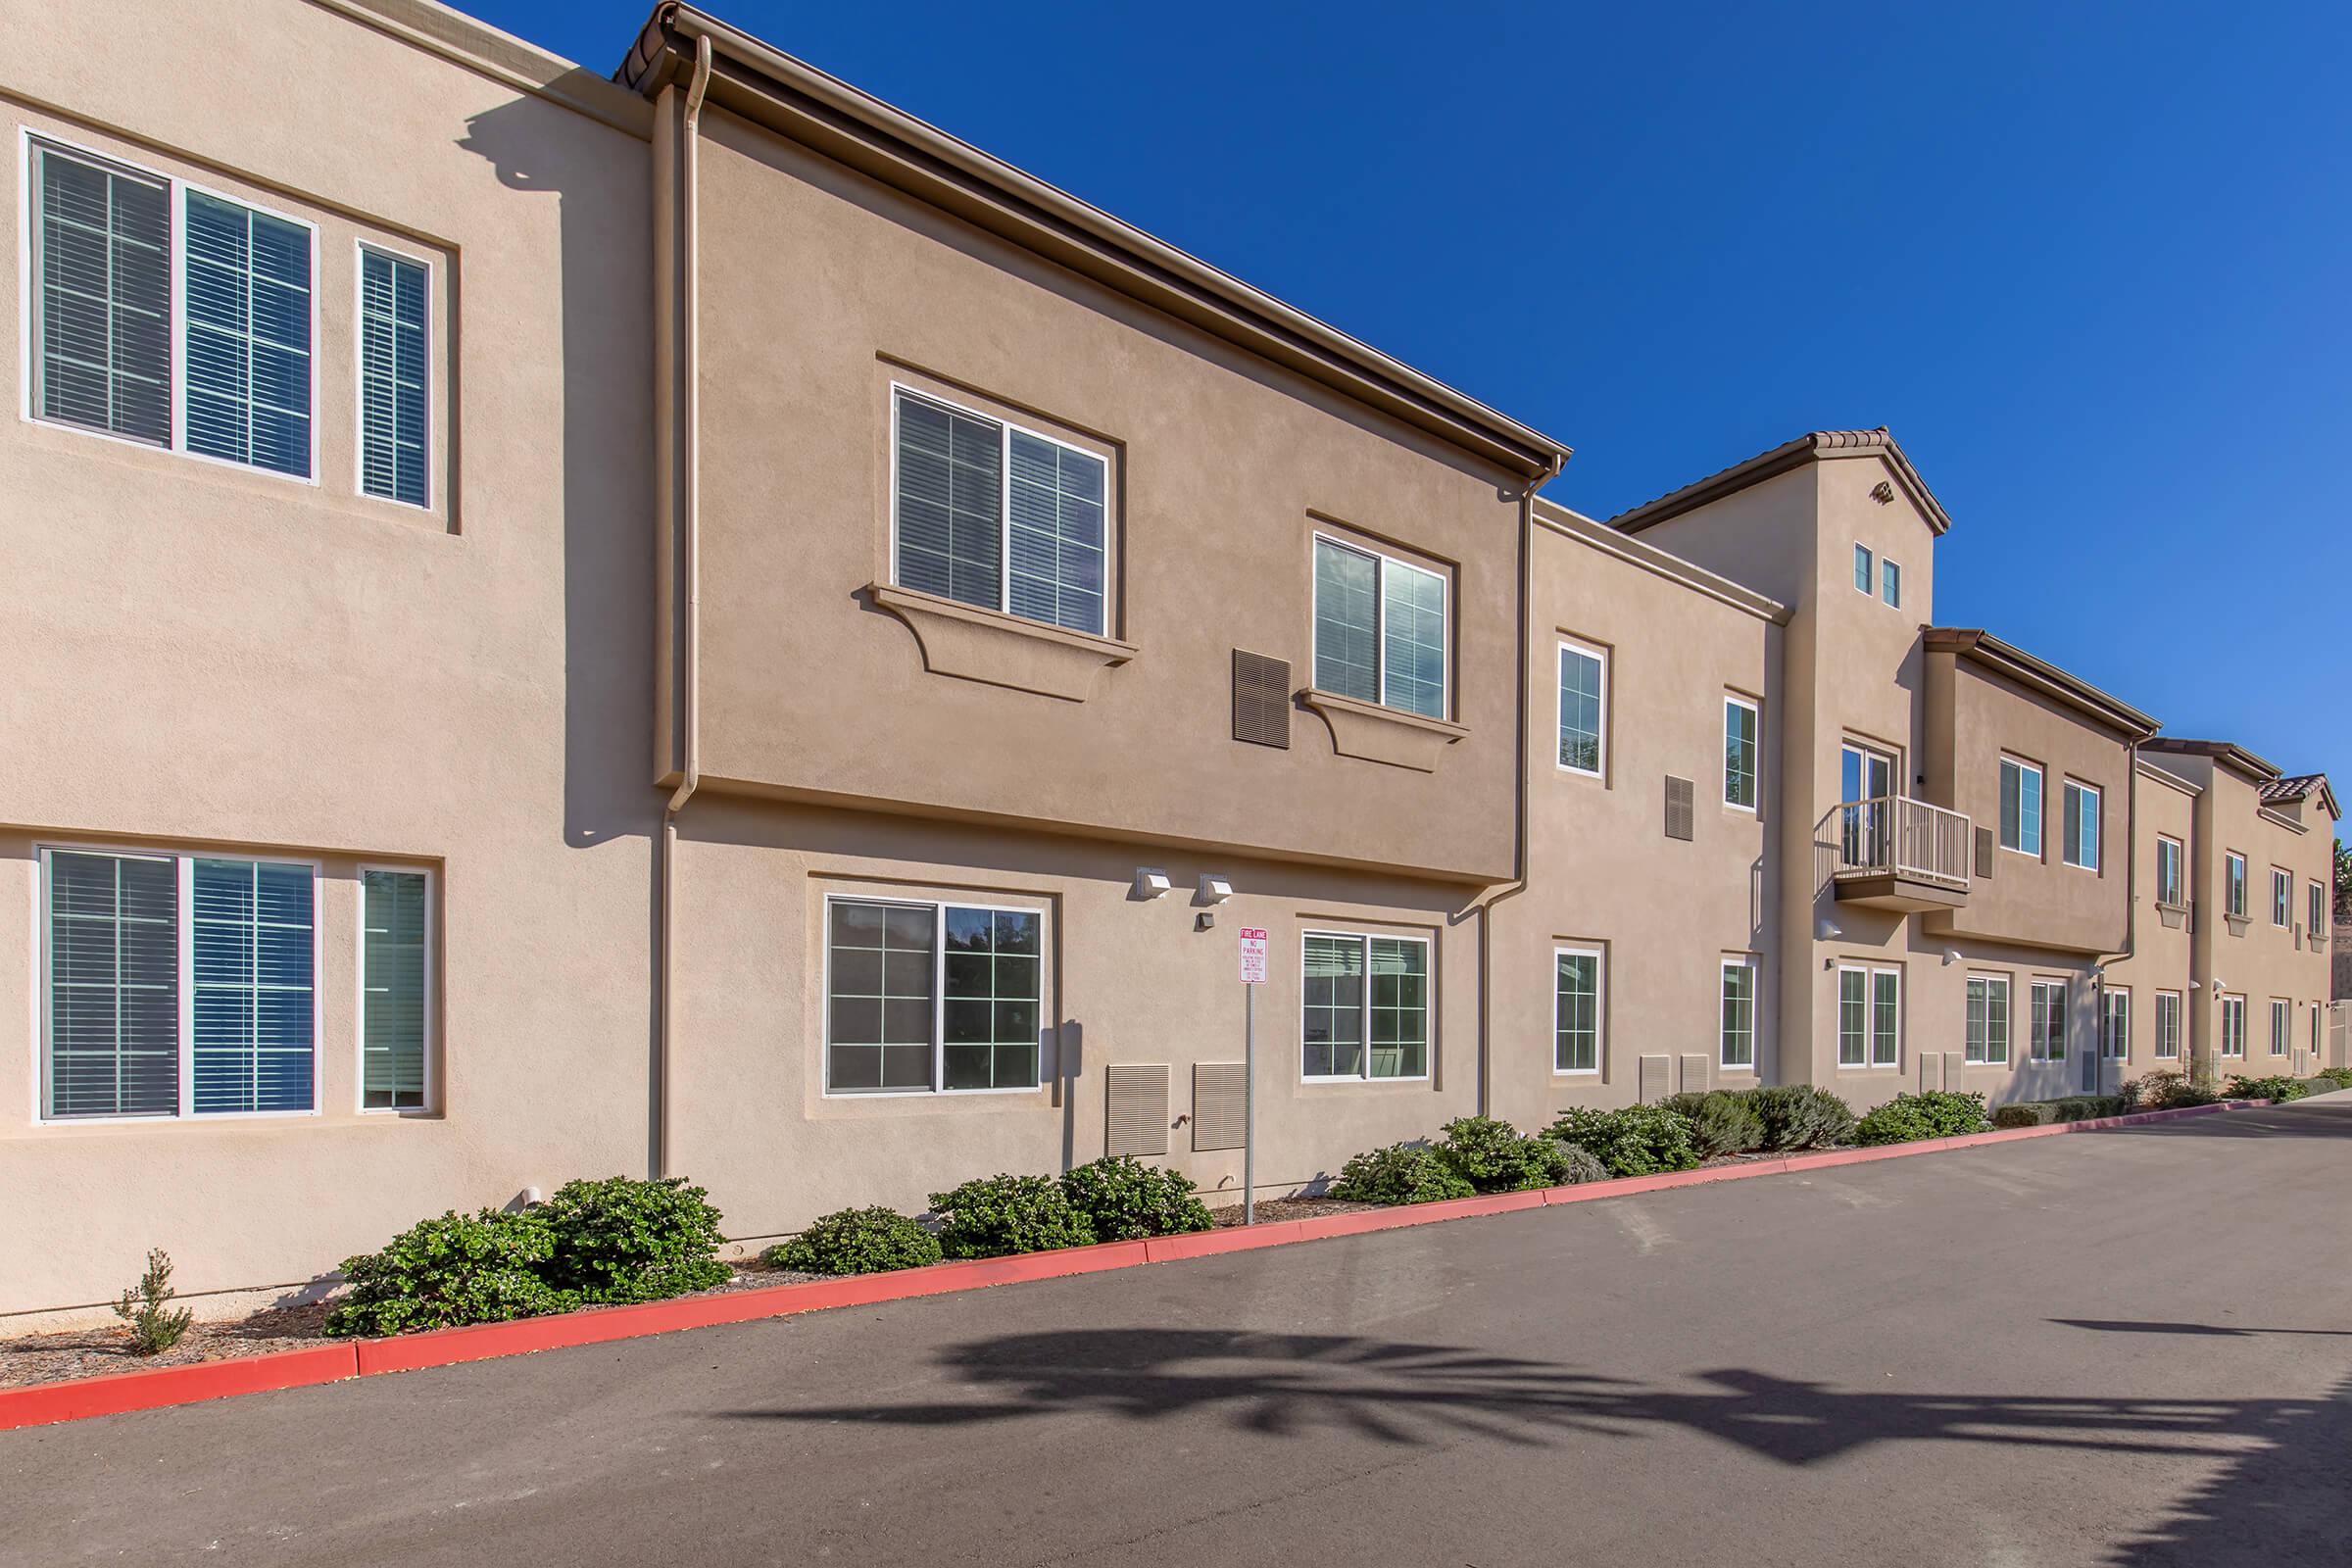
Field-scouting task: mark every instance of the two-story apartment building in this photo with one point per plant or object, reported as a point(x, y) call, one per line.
point(694, 623)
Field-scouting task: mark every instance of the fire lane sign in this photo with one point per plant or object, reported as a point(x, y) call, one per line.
point(1253, 957)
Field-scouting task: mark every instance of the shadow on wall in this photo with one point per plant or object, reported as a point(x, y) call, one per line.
point(2275, 1493)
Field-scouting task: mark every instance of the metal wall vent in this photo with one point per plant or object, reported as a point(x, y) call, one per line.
point(1218, 1091)
point(1139, 1109)
point(1985, 848)
point(1680, 808)
point(1654, 1071)
point(1261, 699)
point(1694, 1075)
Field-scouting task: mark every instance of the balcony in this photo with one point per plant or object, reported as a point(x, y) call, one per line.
point(1895, 853)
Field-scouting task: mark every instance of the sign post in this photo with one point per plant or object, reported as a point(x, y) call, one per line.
point(1254, 975)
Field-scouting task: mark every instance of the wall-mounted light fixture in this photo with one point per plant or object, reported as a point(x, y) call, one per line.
point(1150, 884)
point(1951, 956)
point(1828, 931)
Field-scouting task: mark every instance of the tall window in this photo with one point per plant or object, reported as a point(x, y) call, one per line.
point(1739, 753)
point(2282, 1026)
point(392, 378)
point(2282, 899)
point(2114, 1032)
point(1890, 584)
point(1870, 1013)
point(1583, 709)
point(1380, 629)
point(1866, 782)
point(2168, 872)
point(1351, 1029)
point(2316, 912)
point(2021, 806)
point(2168, 1025)
point(1988, 1041)
point(2233, 884)
point(2081, 825)
point(991, 514)
point(2233, 1026)
point(393, 1001)
point(931, 997)
point(178, 985)
point(248, 293)
point(2047, 1042)
point(1738, 1037)
point(1576, 1009)
point(1862, 582)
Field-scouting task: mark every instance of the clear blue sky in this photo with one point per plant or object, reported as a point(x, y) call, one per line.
point(2090, 263)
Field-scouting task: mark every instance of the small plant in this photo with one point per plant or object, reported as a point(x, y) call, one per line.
point(155, 1325)
point(2165, 1090)
point(1126, 1200)
point(1401, 1173)
point(995, 1216)
point(1721, 1122)
point(857, 1241)
point(1801, 1117)
point(459, 1268)
point(1632, 1141)
point(625, 1239)
point(2276, 1088)
point(2341, 1077)
point(1493, 1156)
point(1932, 1113)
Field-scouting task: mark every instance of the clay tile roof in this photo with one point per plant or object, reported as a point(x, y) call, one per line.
point(1763, 466)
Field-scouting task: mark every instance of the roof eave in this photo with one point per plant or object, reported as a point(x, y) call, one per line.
point(1813, 447)
point(2041, 675)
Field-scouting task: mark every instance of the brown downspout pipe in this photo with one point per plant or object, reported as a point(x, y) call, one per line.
point(690, 540)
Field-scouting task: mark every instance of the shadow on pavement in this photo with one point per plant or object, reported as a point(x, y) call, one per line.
point(2325, 1116)
point(2211, 1329)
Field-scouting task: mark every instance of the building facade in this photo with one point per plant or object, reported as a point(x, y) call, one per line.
point(693, 623)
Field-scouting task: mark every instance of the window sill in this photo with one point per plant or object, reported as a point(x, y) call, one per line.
point(1380, 734)
point(999, 650)
point(2173, 915)
point(2238, 923)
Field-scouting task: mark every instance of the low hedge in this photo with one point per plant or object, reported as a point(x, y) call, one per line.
point(858, 1241)
point(2341, 1077)
point(1630, 1141)
point(1493, 1156)
point(1125, 1200)
point(2073, 1108)
point(2322, 1083)
point(2272, 1087)
point(1401, 1173)
point(1723, 1121)
point(1801, 1117)
point(1932, 1113)
point(2166, 1089)
point(995, 1216)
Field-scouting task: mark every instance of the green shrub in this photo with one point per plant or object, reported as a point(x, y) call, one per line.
point(1934, 1113)
point(439, 1273)
point(857, 1241)
point(1801, 1117)
point(2320, 1084)
point(154, 1324)
point(1722, 1122)
point(2089, 1107)
point(625, 1239)
point(1401, 1173)
point(1583, 1165)
point(2341, 1077)
point(2275, 1087)
point(2165, 1089)
point(2025, 1113)
point(1126, 1201)
point(1633, 1141)
point(2070, 1107)
point(1493, 1156)
point(995, 1216)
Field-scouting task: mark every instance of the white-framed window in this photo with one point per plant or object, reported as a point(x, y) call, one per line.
point(395, 318)
point(1583, 709)
point(992, 514)
point(1987, 1038)
point(2169, 1008)
point(2115, 1029)
point(924, 997)
point(2233, 884)
point(168, 315)
point(2283, 898)
point(1738, 1028)
point(2021, 806)
point(1742, 730)
point(1580, 978)
point(1870, 1016)
point(2081, 825)
point(2315, 913)
point(1863, 583)
point(396, 989)
point(2233, 1026)
point(178, 985)
point(1379, 628)
point(1866, 783)
point(2282, 1026)
point(1890, 584)
point(2046, 1040)
point(2317, 1009)
point(2168, 871)
point(1365, 1006)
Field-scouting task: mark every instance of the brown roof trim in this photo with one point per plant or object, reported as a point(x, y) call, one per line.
point(1600, 536)
point(2300, 788)
point(2041, 675)
point(2165, 776)
point(1812, 446)
point(2255, 770)
point(764, 84)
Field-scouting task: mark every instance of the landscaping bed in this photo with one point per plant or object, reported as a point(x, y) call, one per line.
point(1275, 1210)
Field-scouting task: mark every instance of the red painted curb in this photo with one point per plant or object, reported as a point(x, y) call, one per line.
point(44, 1404)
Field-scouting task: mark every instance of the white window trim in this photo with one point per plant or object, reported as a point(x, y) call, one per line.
point(2241, 884)
point(1004, 603)
point(1870, 1016)
point(2314, 911)
point(1893, 600)
point(358, 995)
point(1429, 1007)
point(2221, 1049)
point(2098, 801)
point(1723, 1062)
point(2035, 987)
point(2282, 1026)
point(432, 366)
point(2008, 1020)
point(1600, 1006)
point(2283, 898)
point(1755, 709)
point(2109, 997)
point(2042, 809)
point(939, 1006)
point(2179, 1011)
point(184, 941)
point(1383, 561)
point(1867, 560)
point(1601, 719)
point(2180, 870)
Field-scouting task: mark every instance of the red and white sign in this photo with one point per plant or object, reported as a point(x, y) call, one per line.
point(1253, 957)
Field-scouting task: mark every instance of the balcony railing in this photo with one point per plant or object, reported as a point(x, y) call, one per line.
point(1895, 835)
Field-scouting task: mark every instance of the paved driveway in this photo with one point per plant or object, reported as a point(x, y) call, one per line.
point(2131, 1348)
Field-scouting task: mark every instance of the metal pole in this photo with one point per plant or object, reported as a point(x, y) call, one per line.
point(1248, 1104)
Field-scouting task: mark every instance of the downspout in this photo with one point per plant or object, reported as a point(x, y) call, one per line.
point(1520, 850)
point(690, 541)
point(2098, 1043)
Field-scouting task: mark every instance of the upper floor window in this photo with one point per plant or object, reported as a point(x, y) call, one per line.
point(2316, 922)
point(1380, 629)
point(2168, 871)
point(393, 295)
point(989, 513)
point(2021, 806)
point(923, 997)
point(1863, 583)
point(1740, 729)
point(1584, 708)
point(2283, 898)
point(2233, 884)
point(1364, 1011)
point(1890, 584)
point(2083, 825)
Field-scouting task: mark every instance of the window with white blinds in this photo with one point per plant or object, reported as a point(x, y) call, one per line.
point(178, 985)
point(100, 238)
point(392, 378)
point(1380, 629)
point(247, 293)
point(393, 956)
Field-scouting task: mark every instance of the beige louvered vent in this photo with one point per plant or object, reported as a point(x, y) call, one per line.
point(1680, 810)
point(1261, 699)
point(1930, 1072)
point(1984, 851)
point(1694, 1075)
point(1654, 1071)
point(1218, 1090)
point(1139, 1109)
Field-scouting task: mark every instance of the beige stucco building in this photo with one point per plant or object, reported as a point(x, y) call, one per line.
point(694, 623)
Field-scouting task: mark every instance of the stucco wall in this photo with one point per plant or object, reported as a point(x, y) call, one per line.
point(2162, 943)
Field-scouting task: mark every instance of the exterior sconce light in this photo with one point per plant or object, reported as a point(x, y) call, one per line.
point(1827, 931)
point(1951, 956)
